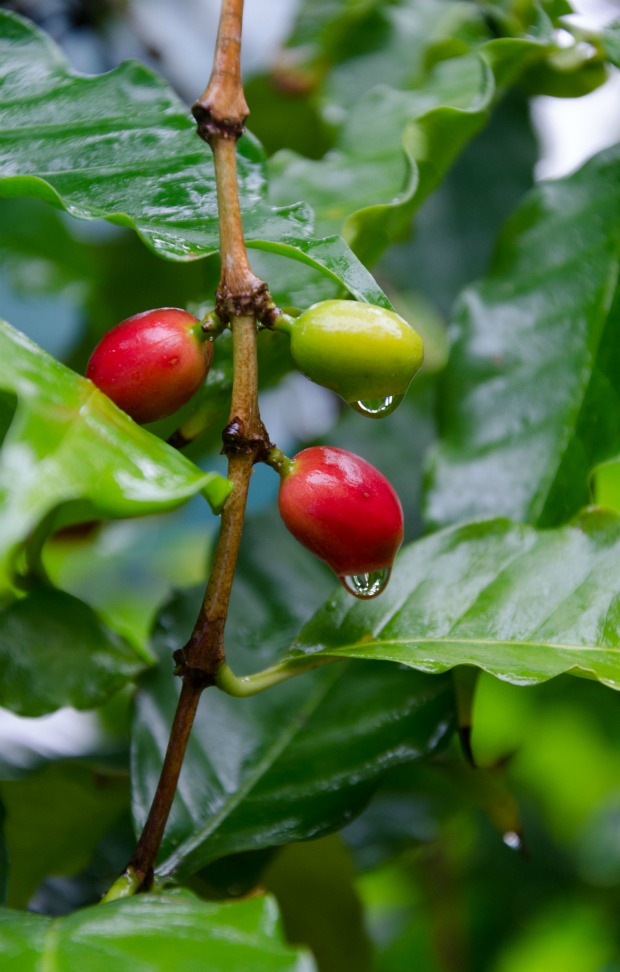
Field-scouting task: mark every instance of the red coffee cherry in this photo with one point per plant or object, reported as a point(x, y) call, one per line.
point(152, 363)
point(346, 512)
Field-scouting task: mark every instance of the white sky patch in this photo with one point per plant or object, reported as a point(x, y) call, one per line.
point(571, 130)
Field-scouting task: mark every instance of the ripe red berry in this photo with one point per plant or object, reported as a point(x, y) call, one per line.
point(346, 512)
point(152, 363)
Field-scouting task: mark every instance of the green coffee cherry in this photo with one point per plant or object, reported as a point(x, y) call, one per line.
point(366, 354)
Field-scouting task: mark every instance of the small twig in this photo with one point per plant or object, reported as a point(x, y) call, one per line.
point(138, 875)
point(242, 299)
point(222, 109)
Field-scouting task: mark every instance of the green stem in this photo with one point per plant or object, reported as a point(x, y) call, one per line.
point(279, 462)
point(124, 887)
point(282, 322)
point(244, 686)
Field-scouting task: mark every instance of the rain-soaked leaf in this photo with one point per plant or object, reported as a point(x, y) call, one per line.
point(522, 604)
point(70, 455)
point(532, 390)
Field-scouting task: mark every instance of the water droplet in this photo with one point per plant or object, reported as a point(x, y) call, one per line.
point(369, 585)
point(378, 407)
point(513, 840)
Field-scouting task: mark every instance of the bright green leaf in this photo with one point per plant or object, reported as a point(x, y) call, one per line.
point(175, 930)
point(532, 388)
point(521, 604)
point(120, 146)
point(271, 769)
point(69, 446)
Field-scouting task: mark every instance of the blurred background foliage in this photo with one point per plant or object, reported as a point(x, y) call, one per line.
point(510, 867)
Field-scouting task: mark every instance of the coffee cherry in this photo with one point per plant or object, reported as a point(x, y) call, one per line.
point(366, 354)
point(346, 512)
point(152, 363)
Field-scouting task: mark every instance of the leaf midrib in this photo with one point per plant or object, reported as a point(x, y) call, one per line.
point(409, 641)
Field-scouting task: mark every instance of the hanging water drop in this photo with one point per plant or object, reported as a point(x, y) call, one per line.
point(378, 407)
point(369, 585)
point(513, 840)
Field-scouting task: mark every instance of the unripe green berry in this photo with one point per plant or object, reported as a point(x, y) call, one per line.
point(362, 352)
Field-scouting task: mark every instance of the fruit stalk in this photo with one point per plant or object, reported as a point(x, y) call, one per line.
point(241, 299)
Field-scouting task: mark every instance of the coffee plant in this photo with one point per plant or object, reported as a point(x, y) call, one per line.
point(231, 745)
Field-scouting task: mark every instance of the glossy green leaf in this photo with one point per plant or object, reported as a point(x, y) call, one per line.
point(532, 390)
point(271, 769)
point(120, 146)
point(123, 148)
point(54, 651)
point(69, 446)
point(522, 604)
point(154, 932)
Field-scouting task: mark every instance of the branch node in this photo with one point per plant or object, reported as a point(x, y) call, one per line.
point(237, 441)
point(198, 677)
point(209, 126)
point(255, 302)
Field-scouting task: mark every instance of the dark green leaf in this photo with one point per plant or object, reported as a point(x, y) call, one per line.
point(532, 388)
point(69, 445)
point(284, 117)
point(314, 884)
point(522, 605)
point(271, 769)
point(154, 932)
point(54, 652)
point(54, 821)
